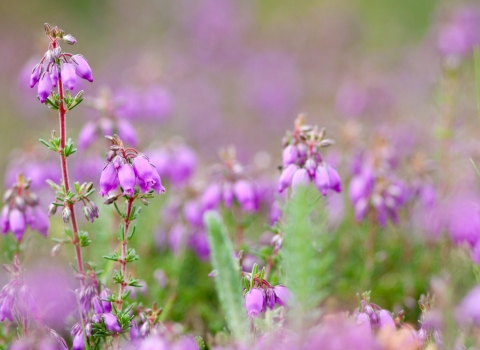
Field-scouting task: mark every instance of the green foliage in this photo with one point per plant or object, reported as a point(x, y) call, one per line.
point(227, 281)
point(307, 261)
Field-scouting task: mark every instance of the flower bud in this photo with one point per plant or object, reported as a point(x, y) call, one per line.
point(82, 69)
point(52, 209)
point(56, 249)
point(270, 298)
point(68, 75)
point(87, 211)
point(66, 214)
point(69, 39)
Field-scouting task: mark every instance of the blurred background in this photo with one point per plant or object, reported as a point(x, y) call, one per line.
point(221, 72)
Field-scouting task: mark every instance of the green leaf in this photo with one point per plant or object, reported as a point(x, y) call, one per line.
point(228, 282)
point(307, 261)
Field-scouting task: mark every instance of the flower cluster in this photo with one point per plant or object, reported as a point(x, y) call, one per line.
point(176, 162)
point(302, 161)
point(16, 300)
point(459, 36)
point(107, 124)
point(21, 208)
point(185, 227)
point(231, 185)
point(95, 309)
point(128, 168)
point(260, 295)
point(374, 186)
point(372, 317)
point(58, 66)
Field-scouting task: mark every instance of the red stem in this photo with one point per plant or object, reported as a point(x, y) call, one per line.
point(62, 111)
point(122, 260)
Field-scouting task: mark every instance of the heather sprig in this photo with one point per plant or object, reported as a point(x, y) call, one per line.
point(58, 69)
point(304, 163)
point(138, 179)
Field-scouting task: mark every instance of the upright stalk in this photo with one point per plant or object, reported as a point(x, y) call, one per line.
point(62, 111)
point(123, 260)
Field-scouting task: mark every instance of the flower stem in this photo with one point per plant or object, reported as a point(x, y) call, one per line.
point(123, 261)
point(62, 111)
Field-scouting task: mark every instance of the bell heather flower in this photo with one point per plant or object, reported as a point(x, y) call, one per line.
point(255, 302)
point(21, 208)
point(68, 75)
point(78, 341)
point(283, 296)
point(303, 162)
point(82, 69)
point(111, 322)
point(46, 72)
point(128, 167)
point(44, 87)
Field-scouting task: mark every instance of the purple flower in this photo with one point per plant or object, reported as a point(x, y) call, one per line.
point(111, 322)
point(17, 223)
point(4, 219)
point(255, 302)
point(108, 179)
point(87, 135)
point(82, 69)
point(35, 76)
point(126, 177)
point(147, 174)
point(212, 196)
point(385, 320)
point(364, 322)
point(289, 155)
point(270, 298)
point(68, 75)
point(245, 195)
point(7, 307)
point(469, 309)
point(106, 305)
point(227, 194)
point(286, 177)
point(44, 87)
point(322, 180)
point(193, 213)
point(40, 222)
point(127, 132)
point(54, 75)
point(300, 178)
point(283, 296)
point(78, 341)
